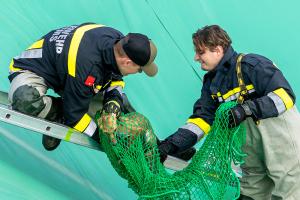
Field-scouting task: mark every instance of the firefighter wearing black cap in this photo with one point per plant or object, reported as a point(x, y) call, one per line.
point(78, 62)
point(266, 107)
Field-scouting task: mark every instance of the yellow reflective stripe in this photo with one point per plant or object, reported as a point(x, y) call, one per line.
point(98, 87)
point(75, 45)
point(228, 94)
point(37, 45)
point(219, 94)
point(236, 90)
point(250, 87)
point(83, 123)
point(117, 83)
point(287, 100)
point(12, 68)
point(201, 124)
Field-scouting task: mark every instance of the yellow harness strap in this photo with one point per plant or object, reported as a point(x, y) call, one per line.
point(240, 79)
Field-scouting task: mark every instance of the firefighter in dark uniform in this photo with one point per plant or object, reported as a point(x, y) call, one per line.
point(78, 62)
point(266, 107)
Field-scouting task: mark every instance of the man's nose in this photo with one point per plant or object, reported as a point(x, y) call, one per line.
point(196, 57)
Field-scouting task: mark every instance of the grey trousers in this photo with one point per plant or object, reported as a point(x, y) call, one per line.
point(32, 99)
point(272, 167)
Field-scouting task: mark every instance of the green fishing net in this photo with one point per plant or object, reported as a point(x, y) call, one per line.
point(209, 175)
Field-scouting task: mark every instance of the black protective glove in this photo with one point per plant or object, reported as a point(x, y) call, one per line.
point(238, 114)
point(112, 107)
point(165, 148)
point(180, 145)
point(186, 155)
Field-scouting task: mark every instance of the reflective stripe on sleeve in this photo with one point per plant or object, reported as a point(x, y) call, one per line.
point(86, 125)
point(90, 130)
point(34, 51)
point(83, 123)
point(195, 129)
point(278, 102)
point(205, 127)
point(118, 88)
point(118, 85)
point(75, 42)
point(285, 98)
point(31, 53)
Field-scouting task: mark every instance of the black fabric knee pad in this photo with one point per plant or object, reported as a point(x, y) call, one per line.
point(26, 99)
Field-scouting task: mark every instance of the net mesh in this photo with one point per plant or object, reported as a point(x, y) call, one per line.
point(209, 175)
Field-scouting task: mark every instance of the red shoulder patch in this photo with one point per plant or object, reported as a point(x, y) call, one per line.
point(90, 80)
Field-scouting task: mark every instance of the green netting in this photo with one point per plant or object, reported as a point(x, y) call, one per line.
point(209, 175)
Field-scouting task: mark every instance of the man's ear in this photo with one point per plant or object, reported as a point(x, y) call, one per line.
point(219, 50)
point(129, 62)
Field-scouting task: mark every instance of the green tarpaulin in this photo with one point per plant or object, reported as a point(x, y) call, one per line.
point(27, 171)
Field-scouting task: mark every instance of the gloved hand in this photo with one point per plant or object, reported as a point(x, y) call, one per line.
point(112, 107)
point(178, 143)
point(186, 155)
point(166, 148)
point(108, 120)
point(238, 114)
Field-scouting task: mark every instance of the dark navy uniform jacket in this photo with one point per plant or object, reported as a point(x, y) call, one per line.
point(268, 90)
point(77, 62)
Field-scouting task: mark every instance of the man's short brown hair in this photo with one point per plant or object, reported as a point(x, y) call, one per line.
point(211, 37)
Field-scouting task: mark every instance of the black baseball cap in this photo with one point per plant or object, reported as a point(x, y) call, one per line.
point(142, 51)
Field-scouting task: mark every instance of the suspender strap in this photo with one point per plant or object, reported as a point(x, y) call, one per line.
point(241, 83)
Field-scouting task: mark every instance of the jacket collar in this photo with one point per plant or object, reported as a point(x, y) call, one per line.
point(228, 60)
point(109, 59)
